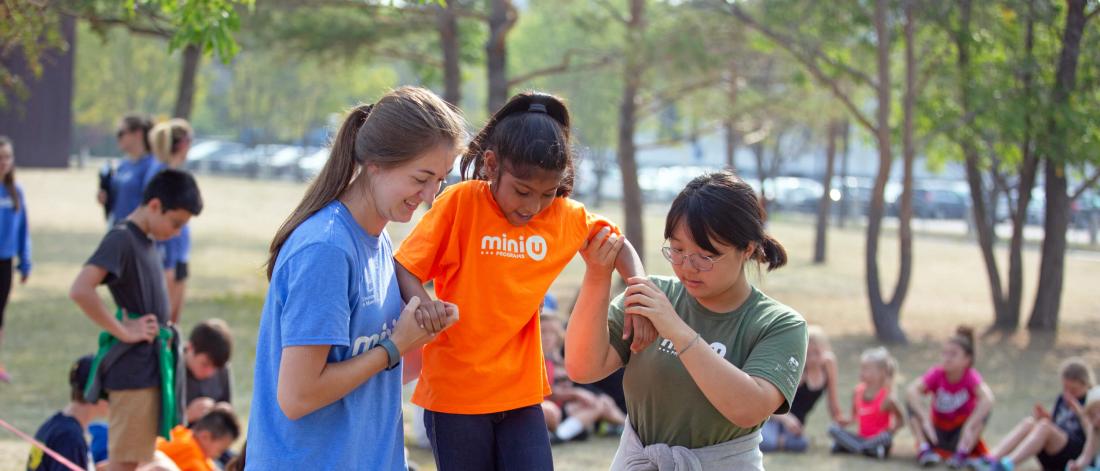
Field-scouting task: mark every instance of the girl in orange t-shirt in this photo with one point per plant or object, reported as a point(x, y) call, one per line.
point(493, 244)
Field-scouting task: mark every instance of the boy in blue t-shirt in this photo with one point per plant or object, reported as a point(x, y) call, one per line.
point(127, 261)
point(64, 432)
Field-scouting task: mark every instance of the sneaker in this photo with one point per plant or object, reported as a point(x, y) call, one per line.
point(880, 452)
point(928, 458)
point(957, 461)
point(607, 429)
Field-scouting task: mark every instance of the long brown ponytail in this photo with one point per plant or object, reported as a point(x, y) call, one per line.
point(403, 125)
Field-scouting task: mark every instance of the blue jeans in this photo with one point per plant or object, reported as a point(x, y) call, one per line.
point(503, 441)
point(777, 438)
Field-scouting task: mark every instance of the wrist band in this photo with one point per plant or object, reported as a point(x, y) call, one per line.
point(690, 344)
point(392, 352)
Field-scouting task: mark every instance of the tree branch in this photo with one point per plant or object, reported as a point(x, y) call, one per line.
point(420, 10)
point(1089, 182)
point(564, 66)
point(615, 14)
point(128, 24)
point(1093, 13)
point(648, 106)
point(964, 120)
point(411, 56)
point(791, 44)
point(811, 66)
point(676, 140)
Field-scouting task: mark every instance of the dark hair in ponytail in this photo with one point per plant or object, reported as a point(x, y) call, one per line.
point(530, 131)
point(9, 179)
point(402, 126)
point(136, 122)
point(964, 338)
point(721, 206)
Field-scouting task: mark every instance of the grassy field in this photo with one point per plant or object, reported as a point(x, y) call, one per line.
point(44, 330)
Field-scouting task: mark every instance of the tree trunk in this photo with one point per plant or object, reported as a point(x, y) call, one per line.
point(758, 152)
point(600, 170)
point(981, 218)
point(884, 315)
point(909, 156)
point(845, 195)
point(1029, 167)
point(733, 138)
point(628, 115)
point(825, 204)
point(185, 96)
point(447, 23)
point(1048, 298)
point(501, 20)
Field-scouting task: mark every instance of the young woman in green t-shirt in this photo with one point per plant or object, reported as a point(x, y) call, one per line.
point(728, 356)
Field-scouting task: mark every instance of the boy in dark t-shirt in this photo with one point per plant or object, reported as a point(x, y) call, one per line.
point(206, 355)
point(127, 261)
point(64, 432)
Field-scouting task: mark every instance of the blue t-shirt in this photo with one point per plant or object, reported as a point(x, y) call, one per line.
point(15, 238)
point(128, 184)
point(63, 434)
point(333, 284)
point(177, 249)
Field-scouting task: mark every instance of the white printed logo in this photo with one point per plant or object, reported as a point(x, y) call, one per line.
point(534, 247)
point(367, 342)
point(948, 402)
point(792, 363)
point(666, 346)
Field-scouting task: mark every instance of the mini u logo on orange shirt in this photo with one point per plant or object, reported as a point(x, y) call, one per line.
point(534, 247)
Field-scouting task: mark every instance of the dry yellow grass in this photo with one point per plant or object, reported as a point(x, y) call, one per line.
point(45, 331)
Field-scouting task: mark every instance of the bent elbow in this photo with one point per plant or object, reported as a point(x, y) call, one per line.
point(746, 420)
point(76, 292)
point(578, 372)
point(292, 407)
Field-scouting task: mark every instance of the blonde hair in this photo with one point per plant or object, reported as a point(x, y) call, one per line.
point(881, 357)
point(816, 334)
point(403, 125)
point(165, 138)
point(1076, 369)
point(1093, 399)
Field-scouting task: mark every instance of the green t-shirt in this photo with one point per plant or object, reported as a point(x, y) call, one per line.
point(763, 338)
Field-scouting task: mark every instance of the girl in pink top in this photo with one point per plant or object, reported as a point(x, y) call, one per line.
point(951, 426)
point(874, 408)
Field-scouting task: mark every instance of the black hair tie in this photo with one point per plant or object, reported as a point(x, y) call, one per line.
point(537, 108)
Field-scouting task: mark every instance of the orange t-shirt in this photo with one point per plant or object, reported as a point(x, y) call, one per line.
point(185, 451)
point(497, 274)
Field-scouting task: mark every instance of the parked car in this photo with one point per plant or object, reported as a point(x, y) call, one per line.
point(282, 162)
point(209, 156)
point(939, 204)
point(310, 166)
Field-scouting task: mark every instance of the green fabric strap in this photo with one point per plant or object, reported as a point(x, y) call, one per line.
point(167, 364)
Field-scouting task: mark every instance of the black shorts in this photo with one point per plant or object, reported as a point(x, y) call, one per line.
point(1058, 461)
point(182, 271)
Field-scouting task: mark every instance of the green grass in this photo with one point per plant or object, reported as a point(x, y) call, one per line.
point(45, 331)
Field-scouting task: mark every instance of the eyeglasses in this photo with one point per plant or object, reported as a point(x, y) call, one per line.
point(699, 262)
